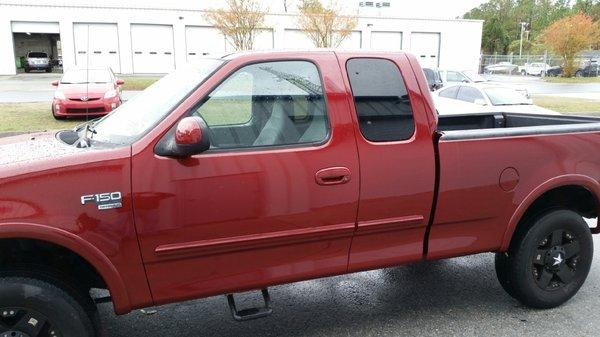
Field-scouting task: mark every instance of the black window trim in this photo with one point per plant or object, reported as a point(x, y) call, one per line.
point(353, 103)
point(307, 145)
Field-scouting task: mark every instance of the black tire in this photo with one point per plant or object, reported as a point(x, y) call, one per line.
point(548, 259)
point(523, 73)
point(54, 307)
point(27, 70)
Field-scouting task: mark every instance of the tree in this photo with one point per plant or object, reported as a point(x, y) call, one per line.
point(325, 26)
point(239, 22)
point(569, 36)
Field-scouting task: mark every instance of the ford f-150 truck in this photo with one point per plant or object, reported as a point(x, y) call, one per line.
point(258, 169)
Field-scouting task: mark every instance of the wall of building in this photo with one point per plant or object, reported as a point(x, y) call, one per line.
point(459, 40)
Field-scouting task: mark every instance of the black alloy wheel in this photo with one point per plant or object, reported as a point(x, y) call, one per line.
point(21, 322)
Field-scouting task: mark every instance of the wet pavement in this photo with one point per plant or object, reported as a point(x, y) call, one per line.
point(456, 297)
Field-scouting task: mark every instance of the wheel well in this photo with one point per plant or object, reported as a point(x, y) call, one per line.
point(572, 197)
point(24, 252)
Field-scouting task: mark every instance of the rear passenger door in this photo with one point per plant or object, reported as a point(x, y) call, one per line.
point(397, 166)
point(274, 199)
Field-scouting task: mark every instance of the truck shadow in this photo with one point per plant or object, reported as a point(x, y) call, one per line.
point(424, 298)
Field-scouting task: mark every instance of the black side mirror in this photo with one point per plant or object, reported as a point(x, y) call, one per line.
point(187, 138)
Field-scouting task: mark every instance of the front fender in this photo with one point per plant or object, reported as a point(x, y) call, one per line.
point(565, 180)
point(79, 246)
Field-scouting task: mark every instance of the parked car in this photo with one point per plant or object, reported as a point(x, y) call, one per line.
point(534, 69)
point(433, 79)
point(502, 67)
point(465, 76)
point(496, 97)
point(37, 61)
point(86, 92)
point(554, 71)
point(264, 168)
point(591, 69)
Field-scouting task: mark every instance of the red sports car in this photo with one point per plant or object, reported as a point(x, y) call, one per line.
point(86, 92)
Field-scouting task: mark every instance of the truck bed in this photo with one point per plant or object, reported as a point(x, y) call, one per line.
point(490, 125)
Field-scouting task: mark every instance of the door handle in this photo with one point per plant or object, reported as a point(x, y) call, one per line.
point(332, 176)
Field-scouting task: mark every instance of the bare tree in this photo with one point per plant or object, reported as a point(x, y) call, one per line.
point(239, 22)
point(325, 26)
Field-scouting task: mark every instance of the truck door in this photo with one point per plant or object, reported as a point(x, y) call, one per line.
point(397, 161)
point(275, 198)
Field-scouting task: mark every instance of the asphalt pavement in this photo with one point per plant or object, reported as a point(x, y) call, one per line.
point(455, 297)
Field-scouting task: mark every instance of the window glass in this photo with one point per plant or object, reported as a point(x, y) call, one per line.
point(454, 76)
point(469, 94)
point(267, 104)
point(449, 92)
point(381, 100)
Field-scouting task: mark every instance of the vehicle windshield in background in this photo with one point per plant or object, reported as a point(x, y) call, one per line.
point(506, 96)
point(82, 76)
point(133, 119)
point(38, 55)
point(473, 76)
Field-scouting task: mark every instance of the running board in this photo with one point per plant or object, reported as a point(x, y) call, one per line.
point(250, 313)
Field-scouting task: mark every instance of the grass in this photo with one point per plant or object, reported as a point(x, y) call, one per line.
point(31, 117)
point(572, 79)
point(137, 83)
point(568, 105)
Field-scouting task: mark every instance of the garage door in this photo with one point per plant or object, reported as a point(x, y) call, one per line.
point(387, 41)
point(426, 47)
point(29, 27)
point(200, 41)
point(152, 47)
point(97, 45)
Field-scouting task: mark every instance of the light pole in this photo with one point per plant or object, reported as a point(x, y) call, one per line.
point(523, 25)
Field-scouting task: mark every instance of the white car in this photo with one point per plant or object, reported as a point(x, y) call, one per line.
point(502, 67)
point(491, 97)
point(464, 76)
point(534, 69)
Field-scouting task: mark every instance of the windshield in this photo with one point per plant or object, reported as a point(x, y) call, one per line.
point(506, 96)
point(138, 115)
point(473, 76)
point(86, 76)
point(38, 55)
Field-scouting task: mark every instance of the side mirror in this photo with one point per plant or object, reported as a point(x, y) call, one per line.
point(55, 83)
point(187, 138)
point(120, 82)
point(480, 101)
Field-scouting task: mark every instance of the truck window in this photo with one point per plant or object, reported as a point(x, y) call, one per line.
point(469, 94)
point(267, 104)
point(381, 100)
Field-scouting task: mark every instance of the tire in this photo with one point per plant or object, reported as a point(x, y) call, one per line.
point(27, 70)
point(523, 72)
point(548, 259)
point(53, 307)
point(578, 73)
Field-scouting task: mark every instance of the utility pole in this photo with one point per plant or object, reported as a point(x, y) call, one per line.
point(523, 25)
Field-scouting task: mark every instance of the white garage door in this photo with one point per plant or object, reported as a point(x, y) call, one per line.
point(35, 27)
point(152, 47)
point(263, 40)
point(387, 41)
point(97, 45)
point(200, 41)
point(296, 39)
point(426, 47)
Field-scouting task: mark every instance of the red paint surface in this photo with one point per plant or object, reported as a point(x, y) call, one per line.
point(188, 132)
point(224, 222)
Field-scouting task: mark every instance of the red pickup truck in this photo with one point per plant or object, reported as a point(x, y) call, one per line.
point(258, 169)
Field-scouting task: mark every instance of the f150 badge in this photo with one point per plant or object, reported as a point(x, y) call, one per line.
point(104, 201)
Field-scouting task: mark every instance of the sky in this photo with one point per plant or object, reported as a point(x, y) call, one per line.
point(399, 8)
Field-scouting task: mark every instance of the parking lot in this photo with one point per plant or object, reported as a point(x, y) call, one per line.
point(456, 297)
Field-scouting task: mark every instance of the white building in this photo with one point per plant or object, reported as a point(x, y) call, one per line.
point(134, 36)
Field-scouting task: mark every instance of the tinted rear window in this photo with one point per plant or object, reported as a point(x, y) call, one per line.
point(38, 55)
point(381, 100)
